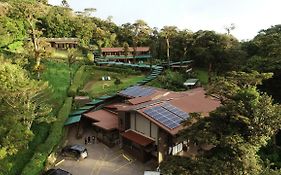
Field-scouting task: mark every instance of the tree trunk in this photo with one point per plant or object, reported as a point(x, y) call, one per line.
point(134, 52)
point(184, 56)
point(168, 51)
point(209, 72)
point(36, 50)
point(150, 61)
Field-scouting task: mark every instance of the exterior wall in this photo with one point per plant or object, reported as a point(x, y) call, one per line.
point(154, 132)
point(144, 126)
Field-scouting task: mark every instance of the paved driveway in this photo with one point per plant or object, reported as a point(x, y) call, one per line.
point(103, 161)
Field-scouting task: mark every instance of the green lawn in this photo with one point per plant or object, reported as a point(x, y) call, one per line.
point(57, 74)
point(202, 75)
point(95, 87)
point(62, 54)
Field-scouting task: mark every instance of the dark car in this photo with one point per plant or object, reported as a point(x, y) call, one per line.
point(75, 151)
point(57, 171)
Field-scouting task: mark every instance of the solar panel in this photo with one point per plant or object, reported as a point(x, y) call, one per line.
point(137, 91)
point(164, 117)
point(175, 110)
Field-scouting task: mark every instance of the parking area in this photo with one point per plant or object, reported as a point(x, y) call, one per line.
point(102, 160)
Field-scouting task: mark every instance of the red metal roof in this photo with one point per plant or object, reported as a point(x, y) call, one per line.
point(121, 49)
point(137, 138)
point(103, 119)
point(190, 101)
point(196, 101)
point(139, 100)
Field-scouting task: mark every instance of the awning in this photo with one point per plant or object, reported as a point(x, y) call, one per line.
point(86, 107)
point(137, 138)
point(78, 112)
point(106, 97)
point(73, 119)
point(94, 102)
point(190, 82)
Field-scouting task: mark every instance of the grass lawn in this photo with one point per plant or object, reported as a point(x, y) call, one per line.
point(95, 87)
point(62, 54)
point(202, 75)
point(57, 74)
point(59, 54)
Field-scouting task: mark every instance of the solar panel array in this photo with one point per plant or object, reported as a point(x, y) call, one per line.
point(137, 91)
point(175, 110)
point(167, 114)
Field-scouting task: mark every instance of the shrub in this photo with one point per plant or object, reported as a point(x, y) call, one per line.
point(169, 80)
point(123, 70)
point(37, 162)
point(76, 81)
point(117, 81)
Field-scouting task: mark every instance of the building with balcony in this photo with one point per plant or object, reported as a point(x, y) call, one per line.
point(118, 54)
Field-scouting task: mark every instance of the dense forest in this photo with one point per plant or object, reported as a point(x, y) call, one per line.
point(246, 70)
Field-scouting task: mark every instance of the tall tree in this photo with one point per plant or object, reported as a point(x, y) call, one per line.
point(141, 32)
point(126, 49)
point(65, 4)
point(30, 13)
point(168, 32)
point(264, 55)
point(229, 28)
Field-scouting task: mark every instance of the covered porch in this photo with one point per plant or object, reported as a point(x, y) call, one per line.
point(105, 125)
point(138, 145)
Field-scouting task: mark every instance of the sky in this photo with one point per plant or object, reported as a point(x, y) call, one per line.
point(249, 16)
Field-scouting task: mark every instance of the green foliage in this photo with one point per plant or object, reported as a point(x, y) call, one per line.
point(77, 81)
point(202, 75)
point(219, 52)
point(121, 70)
point(117, 81)
point(22, 104)
point(15, 164)
point(16, 30)
point(169, 80)
point(57, 74)
point(58, 23)
point(267, 42)
point(37, 163)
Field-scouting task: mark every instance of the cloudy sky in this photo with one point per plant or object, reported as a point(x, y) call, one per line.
point(249, 16)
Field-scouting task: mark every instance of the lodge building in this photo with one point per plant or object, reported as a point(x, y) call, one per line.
point(118, 54)
point(63, 43)
point(145, 121)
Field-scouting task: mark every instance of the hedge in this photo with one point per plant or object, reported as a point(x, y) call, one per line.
point(119, 69)
point(76, 81)
point(37, 162)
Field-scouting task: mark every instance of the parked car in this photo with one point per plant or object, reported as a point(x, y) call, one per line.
point(75, 151)
point(152, 173)
point(57, 171)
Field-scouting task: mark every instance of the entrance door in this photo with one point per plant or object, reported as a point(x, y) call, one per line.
point(127, 120)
